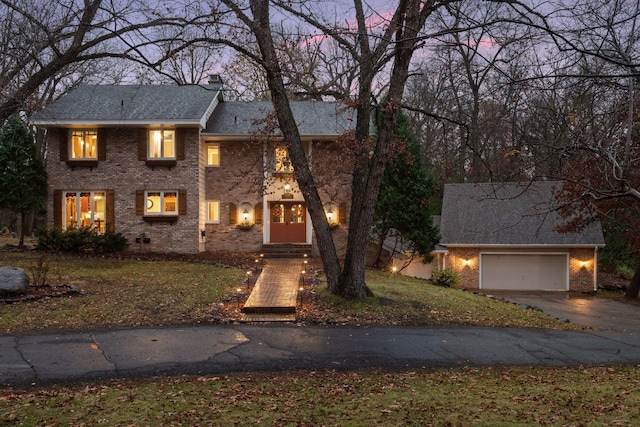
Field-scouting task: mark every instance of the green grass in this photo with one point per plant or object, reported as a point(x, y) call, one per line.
point(129, 292)
point(119, 292)
point(504, 396)
point(403, 300)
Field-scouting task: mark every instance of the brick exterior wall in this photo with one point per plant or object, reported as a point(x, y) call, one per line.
point(237, 182)
point(582, 266)
point(466, 261)
point(240, 180)
point(123, 173)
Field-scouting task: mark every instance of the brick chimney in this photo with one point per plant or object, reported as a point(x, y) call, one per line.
point(215, 80)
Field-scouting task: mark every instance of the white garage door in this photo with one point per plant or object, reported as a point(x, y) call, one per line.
point(524, 272)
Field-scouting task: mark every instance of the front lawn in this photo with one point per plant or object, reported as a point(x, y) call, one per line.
point(117, 293)
point(401, 300)
point(135, 292)
point(502, 396)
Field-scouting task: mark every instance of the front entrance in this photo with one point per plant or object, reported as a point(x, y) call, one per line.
point(288, 222)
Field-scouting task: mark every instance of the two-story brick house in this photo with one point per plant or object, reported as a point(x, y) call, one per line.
point(179, 169)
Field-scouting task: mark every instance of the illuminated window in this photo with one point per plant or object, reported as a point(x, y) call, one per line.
point(213, 154)
point(213, 211)
point(277, 213)
point(162, 144)
point(297, 214)
point(161, 203)
point(283, 164)
point(84, 144)
point(85, 209)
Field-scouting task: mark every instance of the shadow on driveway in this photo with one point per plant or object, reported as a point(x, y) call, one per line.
point(587, 310)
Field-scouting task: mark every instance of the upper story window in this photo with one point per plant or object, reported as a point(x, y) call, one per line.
point(162, 145)
point(283, 164)
point(213, 154)
point(84, 145)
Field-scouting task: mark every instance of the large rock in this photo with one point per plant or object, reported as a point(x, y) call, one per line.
point(13, 280)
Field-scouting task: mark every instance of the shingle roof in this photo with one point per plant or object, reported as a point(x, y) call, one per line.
point(312, 118)
point(508, 214)
point(131, 104)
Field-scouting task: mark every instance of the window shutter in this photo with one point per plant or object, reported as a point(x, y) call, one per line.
point(342, 213)
point(182, 202)
point(233, 214)
point(180, 143)
point(63, 136)
point(142, 144)
point(110, 216)
point(57, 209)
point(139, 202)
point(257, 213)
point(102, 144)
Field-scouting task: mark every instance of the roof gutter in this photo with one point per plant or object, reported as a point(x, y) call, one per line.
point(527, 246)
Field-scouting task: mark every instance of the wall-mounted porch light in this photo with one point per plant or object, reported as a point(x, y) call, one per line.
point(245, 220)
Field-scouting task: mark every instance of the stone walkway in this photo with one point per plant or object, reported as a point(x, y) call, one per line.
point(275, 294)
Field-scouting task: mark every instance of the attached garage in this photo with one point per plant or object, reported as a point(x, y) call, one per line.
point(506, 236)
point(524, 272)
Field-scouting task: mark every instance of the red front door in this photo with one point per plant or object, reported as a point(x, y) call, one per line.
point(288, 222)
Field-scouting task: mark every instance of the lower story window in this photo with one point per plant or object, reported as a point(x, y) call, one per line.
point(161, 203)
point(85, 209)
point(213, 212)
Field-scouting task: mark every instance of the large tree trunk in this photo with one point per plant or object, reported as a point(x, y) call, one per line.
point(408, 20)
point(23, 228)
point(295, 150)
point(634, 286)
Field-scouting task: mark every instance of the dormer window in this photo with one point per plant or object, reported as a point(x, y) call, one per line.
point(84, 145)
point(162, 145)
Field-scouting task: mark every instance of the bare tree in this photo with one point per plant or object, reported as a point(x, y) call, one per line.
point(601, 45)
point(393, 44)
point(42, 42)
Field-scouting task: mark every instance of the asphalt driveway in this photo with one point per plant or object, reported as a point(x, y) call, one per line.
point(588, 310)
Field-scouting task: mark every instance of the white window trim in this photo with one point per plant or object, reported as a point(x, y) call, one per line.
point(162, 212)
point(78, 206)
point(213, 144)
point(207, 221)
point(70, 146)
point(150, 141)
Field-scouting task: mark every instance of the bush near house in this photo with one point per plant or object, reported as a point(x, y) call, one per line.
point(80, 240)
point(447, 277)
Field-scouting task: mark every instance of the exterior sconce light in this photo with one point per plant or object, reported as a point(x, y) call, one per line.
point(584, 264)
point(287, 187)
point(330, 217)
point(245, 220)
point(466, 262)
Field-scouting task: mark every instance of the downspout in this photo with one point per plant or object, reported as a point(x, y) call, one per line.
point(595, 269)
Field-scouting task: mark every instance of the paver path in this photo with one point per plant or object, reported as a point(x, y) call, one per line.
point(276, 289)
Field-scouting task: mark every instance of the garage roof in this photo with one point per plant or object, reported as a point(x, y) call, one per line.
point(509, 214)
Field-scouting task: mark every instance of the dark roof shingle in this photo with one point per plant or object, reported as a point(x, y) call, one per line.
point(508, 214)
point(123, 104)
point(312, 118)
